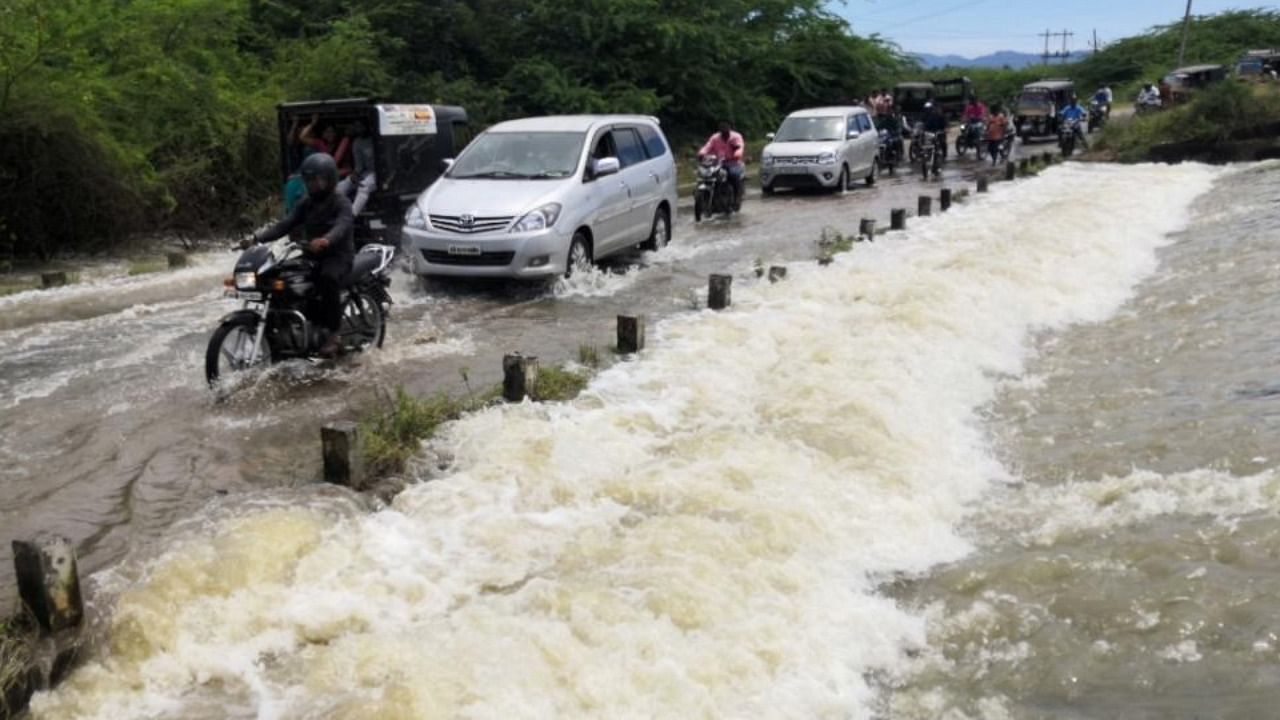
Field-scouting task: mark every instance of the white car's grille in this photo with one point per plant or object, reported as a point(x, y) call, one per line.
point(795, 159)
point(470, 224)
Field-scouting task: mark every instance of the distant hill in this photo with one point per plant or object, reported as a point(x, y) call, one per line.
point(1004, 58)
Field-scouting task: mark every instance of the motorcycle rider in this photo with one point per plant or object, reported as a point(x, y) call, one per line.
point(327, 223)
point(1073, 113)
point(728, 145)
point(1149, 96)
point(975, 114)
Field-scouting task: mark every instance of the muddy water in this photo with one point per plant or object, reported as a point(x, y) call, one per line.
point(108, 435)
point(887, 487)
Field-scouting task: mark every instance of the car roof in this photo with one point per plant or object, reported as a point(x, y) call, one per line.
point(827, 111)
point(568, 123)
point(1193, 69)
point(1049, 84)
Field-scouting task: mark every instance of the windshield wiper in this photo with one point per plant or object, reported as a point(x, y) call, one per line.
point(493, 174)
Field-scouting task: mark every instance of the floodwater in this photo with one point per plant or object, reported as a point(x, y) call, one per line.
point(1016, 462)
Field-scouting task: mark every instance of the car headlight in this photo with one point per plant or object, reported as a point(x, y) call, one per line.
point(415, 218)
point(767, 160)
point(247, 280)
point(540, 219)
point(827, 158)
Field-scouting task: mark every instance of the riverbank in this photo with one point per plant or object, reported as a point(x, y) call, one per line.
point(1230, 122)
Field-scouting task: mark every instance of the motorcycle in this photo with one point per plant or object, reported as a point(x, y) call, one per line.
point(928, 148)
point(971, 137)
point(1143, 107)
point(890, 152)
point(1006, 145)
point(715, 191)
point(1098, 112)
point(276, 282)
point(1068, 131)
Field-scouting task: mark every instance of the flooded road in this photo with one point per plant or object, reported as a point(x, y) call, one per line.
point(108, 434)
point(1014, 463)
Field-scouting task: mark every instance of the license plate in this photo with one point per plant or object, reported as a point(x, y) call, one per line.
point(242, 294)
point(464, 250)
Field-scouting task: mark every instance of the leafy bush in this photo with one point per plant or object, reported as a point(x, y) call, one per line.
point(1214, 115)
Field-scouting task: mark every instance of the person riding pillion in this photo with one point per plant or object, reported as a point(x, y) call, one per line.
point(328, 224)
point(729, 147)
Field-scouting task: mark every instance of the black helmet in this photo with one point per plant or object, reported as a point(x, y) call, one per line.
point(320, 174)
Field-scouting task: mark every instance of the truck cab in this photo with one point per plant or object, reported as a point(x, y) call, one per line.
point(410, 143)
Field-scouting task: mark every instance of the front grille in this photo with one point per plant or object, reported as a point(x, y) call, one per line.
point(484, 259)
point(470, 225)
point(795, 160)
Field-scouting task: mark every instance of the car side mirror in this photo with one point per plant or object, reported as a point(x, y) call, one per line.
point(605, 166)
point(770, 136)
point(853, 135)
point(445, 164)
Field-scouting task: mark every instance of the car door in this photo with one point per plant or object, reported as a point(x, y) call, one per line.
point(848, 148)
point(868, 142)
point(611, 197)
point(640, 180)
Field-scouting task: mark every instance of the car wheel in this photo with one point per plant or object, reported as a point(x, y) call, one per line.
point(871, 174)
point(579, 258)
point(660, 235)
point(843, 183)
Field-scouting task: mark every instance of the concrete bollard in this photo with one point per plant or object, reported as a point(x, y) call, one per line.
point(53, 279)
point(48, 581)
point(630, 334)
point(982, 184)
point(944, 199)
point(177, 260)
point(519, 376)
point(343, 454)
point(776, 273)
point(898, 219)
point(718, 292)
point(925, 207)
point(1010, 170)
point(867, 228)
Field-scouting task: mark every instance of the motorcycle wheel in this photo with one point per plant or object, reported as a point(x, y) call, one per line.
point(363, 322)
point(960, 147)
point(230, 347)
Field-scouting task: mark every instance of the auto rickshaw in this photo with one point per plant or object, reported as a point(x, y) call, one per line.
point(1037, 108)
point(410, 142)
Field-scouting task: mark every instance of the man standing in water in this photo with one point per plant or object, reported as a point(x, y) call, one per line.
point(328, 226)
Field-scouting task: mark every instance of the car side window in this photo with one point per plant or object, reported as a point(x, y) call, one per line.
point(653, 142)
point(604, 146)
point(630, 151)
point(853, 124)
point(864, 123)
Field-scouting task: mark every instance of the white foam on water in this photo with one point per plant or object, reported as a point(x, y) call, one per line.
point(595, 282)
point(701, 534)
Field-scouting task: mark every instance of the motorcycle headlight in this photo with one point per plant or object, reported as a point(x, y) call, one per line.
point(827, 158)
point(540, 219)
point(415, 218)
point(247, 280)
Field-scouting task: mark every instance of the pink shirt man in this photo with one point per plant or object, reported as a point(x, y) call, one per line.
point(729, 151)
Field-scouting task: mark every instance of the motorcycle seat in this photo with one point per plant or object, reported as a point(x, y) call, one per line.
point(361, 266)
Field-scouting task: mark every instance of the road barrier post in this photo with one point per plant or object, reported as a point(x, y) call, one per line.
point(867, 228)
point(776, 273)
point(343, 454)
point(630, 334)
point(944, 199)
point(519, 376)
point(898, 219)
point(925, 206)
point(719, 296)
point(48, 581)
point(982, 184)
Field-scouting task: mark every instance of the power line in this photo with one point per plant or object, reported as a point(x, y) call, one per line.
point(939, 13)
point(1064, 55)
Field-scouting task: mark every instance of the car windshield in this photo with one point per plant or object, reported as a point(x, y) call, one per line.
point(520, 156)
point(811, 129)
point(1035, 99)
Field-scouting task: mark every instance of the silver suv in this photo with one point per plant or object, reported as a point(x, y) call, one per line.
point(546, 196)
point(829, 147)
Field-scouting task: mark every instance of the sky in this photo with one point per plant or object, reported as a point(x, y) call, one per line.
point(977, 27)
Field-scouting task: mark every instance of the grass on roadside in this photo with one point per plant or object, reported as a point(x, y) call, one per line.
point(393, 435)
point(15, 655)
point(558, 384)
point(144, 267)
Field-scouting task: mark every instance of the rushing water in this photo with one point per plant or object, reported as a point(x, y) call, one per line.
point(1014, 463)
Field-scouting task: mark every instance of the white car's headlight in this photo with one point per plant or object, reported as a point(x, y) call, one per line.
point(415, 218)
point(767, 160)
point(247, 280)
point(827, 158)
point(540, 219)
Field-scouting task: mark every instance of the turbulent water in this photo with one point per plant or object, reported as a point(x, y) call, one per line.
point(1014, 463)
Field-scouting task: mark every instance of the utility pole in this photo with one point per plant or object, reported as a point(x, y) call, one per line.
point(1046, 56)
point(1095, 41)
point(1064, 54)
point(1186, 28)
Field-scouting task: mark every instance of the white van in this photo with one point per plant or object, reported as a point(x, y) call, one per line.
point(830, 147)
point(546, 196)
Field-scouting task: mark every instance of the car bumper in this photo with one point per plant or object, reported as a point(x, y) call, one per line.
point(797, 176)
point(533, 255)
